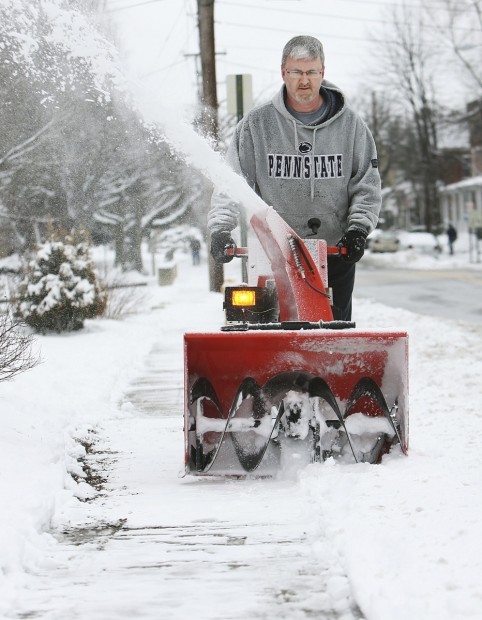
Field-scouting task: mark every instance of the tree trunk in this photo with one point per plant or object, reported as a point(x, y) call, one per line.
point(119, 245)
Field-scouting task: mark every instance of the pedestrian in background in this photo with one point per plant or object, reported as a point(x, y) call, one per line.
point(452, 237)
point(195, 251)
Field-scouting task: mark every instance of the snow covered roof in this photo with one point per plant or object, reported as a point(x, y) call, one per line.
point(465, 184)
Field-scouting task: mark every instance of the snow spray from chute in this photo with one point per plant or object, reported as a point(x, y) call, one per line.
point(197, 152)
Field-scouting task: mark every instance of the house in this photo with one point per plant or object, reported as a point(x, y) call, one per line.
point(461, 202)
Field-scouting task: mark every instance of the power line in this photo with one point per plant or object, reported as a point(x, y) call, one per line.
point(254, 68)
point(330, 15)
point(171, 31)
point(382, 3)
point(132, 6)
point(172, 64)
point(270, 29)
point(271, 49)
point(300, 13)
point(358, 2)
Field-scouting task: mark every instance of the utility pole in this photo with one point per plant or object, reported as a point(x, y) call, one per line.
point(209, 118)
point(239, 91)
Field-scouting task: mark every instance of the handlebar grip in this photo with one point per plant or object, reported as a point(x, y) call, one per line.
point(336, 250)
point(234, 250)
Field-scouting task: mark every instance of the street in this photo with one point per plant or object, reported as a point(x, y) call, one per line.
point(447, 294)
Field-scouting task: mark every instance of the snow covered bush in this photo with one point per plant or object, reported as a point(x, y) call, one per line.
point(60, 288)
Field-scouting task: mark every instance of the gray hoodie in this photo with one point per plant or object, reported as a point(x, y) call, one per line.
point(328, 171)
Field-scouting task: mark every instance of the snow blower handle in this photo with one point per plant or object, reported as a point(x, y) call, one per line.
point(336, 250)
point(288, 325)
point(235, 251)
point(239, 252)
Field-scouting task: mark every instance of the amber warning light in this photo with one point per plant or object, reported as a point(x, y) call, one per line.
point(255, 304)
point(243, 298)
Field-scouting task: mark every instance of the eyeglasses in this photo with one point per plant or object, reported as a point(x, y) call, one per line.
point(296, 73)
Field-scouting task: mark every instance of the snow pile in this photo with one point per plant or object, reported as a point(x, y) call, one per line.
point(409, 530)
point(43, 414)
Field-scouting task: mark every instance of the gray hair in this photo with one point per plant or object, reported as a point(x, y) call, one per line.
point(303, 46)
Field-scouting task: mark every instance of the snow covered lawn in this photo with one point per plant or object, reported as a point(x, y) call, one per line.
point(400, 540)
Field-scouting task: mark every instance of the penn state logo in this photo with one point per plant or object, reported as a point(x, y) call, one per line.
point(305, 147)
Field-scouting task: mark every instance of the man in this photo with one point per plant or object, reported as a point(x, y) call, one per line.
point(452, 236)
point(195, 250)
point(308, 155)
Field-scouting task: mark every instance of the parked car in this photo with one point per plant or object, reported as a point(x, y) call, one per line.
point(383, 241)
point(420, 241)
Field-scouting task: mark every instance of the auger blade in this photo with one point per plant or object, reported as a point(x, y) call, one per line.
point(241, 379)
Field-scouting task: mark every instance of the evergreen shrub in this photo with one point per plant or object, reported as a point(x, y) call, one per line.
point(60, 288)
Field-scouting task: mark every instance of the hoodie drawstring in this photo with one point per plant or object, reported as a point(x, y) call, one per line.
point(313, 166)
point(312, 157)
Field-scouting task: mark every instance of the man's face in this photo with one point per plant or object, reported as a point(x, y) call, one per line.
point(303, 87)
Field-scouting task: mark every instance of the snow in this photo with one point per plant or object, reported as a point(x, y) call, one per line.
point(466, 183)
point(70, 31)
point(418, 258)
point(359, 424)
point(399, 540)
point(63, 288)
point(195, 150)
point(402, 539)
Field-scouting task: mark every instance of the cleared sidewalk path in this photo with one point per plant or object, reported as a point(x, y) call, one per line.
point(155, 545)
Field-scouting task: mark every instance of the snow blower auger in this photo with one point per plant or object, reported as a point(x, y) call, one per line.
point(283, 384)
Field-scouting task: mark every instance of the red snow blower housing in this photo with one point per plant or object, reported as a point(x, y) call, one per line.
point(282, 383)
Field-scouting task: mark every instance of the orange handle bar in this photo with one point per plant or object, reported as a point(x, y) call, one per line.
point(332, 250)
point(234, 250)
point(336, 250)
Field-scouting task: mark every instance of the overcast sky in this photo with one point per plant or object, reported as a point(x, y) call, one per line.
point(159, 39)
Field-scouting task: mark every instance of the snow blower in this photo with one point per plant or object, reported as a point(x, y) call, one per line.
point(283, 383)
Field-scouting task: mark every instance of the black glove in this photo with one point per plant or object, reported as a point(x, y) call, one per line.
point(219, 242)
point(354, 240)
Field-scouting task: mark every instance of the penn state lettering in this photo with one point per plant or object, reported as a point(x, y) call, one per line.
point(305, 166)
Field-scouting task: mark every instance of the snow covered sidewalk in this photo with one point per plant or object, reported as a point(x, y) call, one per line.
point(400, 540)
point(153, 543)
point(155, 546)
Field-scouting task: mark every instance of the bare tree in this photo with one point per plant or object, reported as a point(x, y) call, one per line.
point(458, 27)
point(378, 111)
point(408, 66)
point(16, 354)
